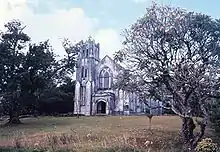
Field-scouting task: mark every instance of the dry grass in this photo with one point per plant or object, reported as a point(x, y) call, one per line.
point(93, 132)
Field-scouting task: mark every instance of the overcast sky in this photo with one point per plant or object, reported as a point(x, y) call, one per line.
point(104, 20)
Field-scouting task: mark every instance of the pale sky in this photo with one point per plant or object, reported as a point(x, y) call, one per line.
point(104, 20)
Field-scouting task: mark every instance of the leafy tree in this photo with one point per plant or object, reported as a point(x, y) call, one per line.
point(60, 87)
point(24, 77)
point(12, 42)
point(39, 65)
point(67, 89)
point(59, 99)
point(173, 56)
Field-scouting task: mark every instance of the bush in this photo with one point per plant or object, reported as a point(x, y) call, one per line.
point(56, 107)
point(206, 145)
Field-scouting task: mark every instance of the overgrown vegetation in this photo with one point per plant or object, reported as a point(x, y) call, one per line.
point(207, 145)
point(32, 150)
point(116, 149)
point(96, 133)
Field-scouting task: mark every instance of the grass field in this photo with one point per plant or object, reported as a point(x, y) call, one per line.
point(93, 132)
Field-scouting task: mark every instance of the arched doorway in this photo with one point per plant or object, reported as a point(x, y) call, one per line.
point(101, 107)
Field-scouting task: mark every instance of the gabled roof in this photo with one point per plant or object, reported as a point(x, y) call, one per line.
point(116, 64)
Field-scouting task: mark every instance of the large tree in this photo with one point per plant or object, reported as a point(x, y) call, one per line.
point(12, 42)
point(27, 70)
point(173, 56)
point(39, 66)
point(59, 99)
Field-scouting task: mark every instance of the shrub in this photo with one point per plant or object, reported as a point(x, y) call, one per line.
point(206, 145)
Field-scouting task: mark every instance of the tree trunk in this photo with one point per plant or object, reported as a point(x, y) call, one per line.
point(199, 136)
point(14, 118)
point(191, 140)
point(188, 127)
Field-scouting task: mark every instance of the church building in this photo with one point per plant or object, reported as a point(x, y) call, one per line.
point(94, 94)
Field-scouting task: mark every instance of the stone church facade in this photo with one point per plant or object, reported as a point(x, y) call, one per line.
point(94, 94)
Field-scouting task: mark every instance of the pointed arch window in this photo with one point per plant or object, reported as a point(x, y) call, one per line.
point(105, 79)
point(87, 52)
point(82, 72)
point(86, 71)
point(83, 52)
point(83, 95)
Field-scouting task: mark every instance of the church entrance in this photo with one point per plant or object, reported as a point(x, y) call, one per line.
point(101, 107)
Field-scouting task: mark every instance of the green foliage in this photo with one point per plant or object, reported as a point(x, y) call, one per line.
point(172, 56)
point(12, 59)
point(59, 99)
point(214, 115)
point(25, 77)
point(206, 145)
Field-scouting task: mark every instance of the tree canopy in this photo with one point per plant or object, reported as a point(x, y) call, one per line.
point(173, 56)
point(27, 70)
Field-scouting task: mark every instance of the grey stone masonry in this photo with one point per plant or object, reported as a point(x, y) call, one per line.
point(94, 94)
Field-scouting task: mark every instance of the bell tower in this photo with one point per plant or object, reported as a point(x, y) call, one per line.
point(87, 60)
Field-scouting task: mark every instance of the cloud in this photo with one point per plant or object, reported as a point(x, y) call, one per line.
point(9, 9)
point(109, 40)
point(57, 24)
